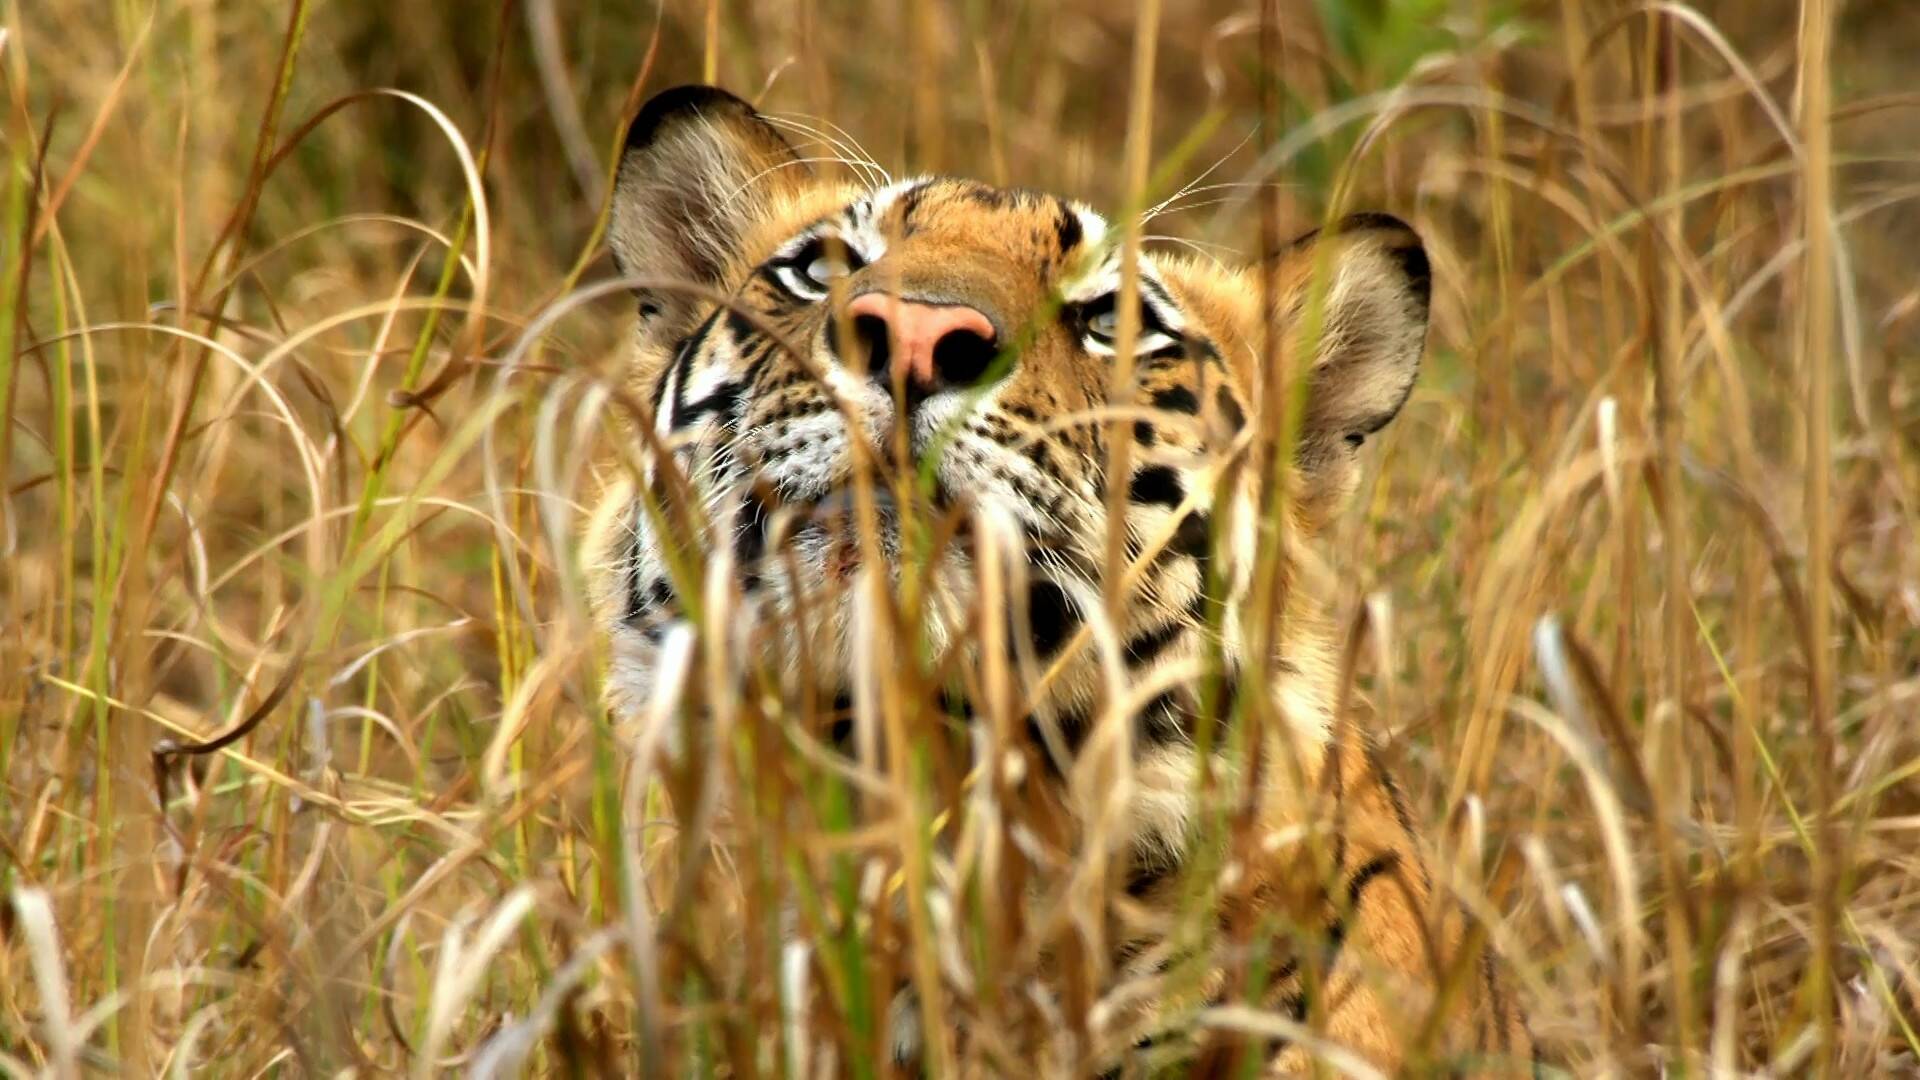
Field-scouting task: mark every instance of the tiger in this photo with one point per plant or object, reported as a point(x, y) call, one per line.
point(801, 336)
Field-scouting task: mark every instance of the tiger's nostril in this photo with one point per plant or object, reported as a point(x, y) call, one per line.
point(962, 357)
point(874, 339)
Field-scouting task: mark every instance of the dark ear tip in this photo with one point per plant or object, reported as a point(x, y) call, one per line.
point(678, 101)
point(1401, 244)
point(1418, 269)
point(1373, 220)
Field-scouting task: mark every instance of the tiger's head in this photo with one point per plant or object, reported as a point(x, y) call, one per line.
point(954, 344)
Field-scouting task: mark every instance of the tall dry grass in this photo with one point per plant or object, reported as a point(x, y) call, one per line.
point(306, 389)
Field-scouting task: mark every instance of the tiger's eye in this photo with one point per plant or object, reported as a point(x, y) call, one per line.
point(1106, 324)
point(824, 269)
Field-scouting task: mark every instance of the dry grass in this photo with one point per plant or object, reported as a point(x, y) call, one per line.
point(1643, 553)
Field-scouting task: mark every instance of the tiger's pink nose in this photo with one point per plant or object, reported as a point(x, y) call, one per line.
point(936, 346)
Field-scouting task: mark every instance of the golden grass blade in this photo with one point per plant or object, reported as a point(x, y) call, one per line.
point(35, 914)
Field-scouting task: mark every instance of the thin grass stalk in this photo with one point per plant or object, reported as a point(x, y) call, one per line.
point(928, 145)
point(1815, 365)
point(23, 191)
point(1137, 156)
point(1087, 971)
point(1492, 398)
point(710, 44)
point(1672, 788)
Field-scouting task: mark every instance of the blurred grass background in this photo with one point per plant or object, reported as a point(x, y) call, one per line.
point(256, 471)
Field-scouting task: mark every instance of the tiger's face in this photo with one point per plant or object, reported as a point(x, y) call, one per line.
point(820, 354)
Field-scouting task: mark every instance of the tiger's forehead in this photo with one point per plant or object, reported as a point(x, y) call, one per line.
point(1070, 249)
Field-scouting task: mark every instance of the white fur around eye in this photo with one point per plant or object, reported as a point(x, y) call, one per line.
point(1148, 341)
point(799, 284)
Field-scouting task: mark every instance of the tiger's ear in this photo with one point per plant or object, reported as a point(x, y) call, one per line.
point(700, 167)
point(1356, 295)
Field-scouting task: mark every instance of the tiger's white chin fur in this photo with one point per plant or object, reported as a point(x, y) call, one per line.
point(816, 611)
